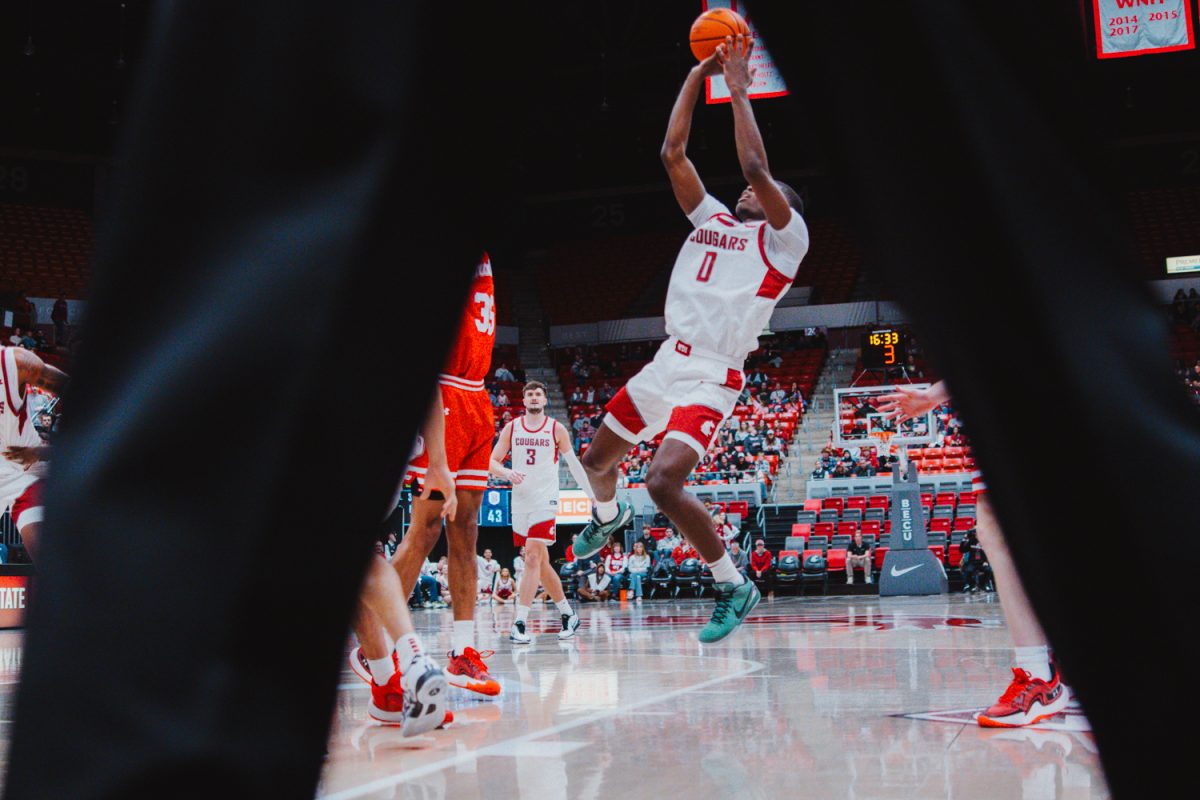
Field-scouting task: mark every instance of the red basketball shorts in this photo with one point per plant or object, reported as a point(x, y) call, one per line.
point(470, 429)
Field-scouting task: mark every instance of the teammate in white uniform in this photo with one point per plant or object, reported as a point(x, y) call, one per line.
point(729, 275)
point(536, 441)
point(20, 444)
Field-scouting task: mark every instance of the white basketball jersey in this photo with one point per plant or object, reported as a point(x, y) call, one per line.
point(16, 429)
point(535, 454)
point(728, 277)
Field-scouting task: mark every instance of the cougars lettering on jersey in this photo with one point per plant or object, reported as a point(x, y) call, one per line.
point(471, 355)
point(728, 277)
point(534, 499)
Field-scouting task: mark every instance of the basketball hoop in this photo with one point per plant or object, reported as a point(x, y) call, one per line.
point(884, 436)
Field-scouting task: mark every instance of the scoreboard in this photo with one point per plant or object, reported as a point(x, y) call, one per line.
point(495, 510)
point(884, 348)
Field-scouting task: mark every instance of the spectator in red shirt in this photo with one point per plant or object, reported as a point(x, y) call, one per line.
point(683, 552)
point(571, 548)
point(761, 571)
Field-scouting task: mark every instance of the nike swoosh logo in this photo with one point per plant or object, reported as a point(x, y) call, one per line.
point(897, 573)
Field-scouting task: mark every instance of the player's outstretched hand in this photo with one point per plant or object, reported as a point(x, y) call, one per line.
point(515, 477)
point(439, 479)
point(25, 456)
point(738, 72)
point(906, 403)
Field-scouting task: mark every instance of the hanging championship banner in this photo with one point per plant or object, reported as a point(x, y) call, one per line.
point(767, 80)
point(1139, 27)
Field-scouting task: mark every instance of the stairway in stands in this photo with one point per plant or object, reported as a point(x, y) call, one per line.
point(534, 338)
point(815, 429)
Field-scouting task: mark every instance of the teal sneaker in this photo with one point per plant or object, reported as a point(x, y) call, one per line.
point(596, 533)
point(734, 604)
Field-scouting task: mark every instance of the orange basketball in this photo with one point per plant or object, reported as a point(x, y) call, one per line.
point(711, 28)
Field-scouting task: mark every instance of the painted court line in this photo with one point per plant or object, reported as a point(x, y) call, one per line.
point(506, 745)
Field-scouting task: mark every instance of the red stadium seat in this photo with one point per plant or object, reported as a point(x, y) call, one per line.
point(871, 527)
point(945, 499)
point(823, 529)
point(880, 552)
point(877, 501)
point(835, 560)
point(847, 528)
point(966, 497)
point(963, 524)
point(784, 553)
point(940, 525)
point(856, 502)
point(938, 550)
point(954, 555)
point(812, 504)
point(801, 529)
point(834, 502)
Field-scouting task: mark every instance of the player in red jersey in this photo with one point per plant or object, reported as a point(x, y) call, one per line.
point(1037, 690)
point(21, 447)
point(469, 432)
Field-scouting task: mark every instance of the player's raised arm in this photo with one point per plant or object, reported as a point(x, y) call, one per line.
point(685, 181)
point(573, 466)
point(499, 453)
point(752, 154)
point(32, 370)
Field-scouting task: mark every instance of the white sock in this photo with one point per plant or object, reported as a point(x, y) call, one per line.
point(564, 606)
point(523, 613)
point(1034, 660)
point(382, 669)
point(463, 636)
point(606, 510)
point(724, 571)
point(408, 647)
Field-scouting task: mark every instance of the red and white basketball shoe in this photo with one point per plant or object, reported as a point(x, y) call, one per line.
point(467, 671)
point(416, 711)
point(1026, 701)
point(360, 667)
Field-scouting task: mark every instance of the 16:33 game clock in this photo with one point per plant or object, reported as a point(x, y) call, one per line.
point(884, 348)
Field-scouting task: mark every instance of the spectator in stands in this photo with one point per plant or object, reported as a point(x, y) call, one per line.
point(443, 579)
point(742, 433)
point(976, 571)
point(754, 442)
point(670, 542)
point(762, 568)
point(589, 396)
point(648, 542)
point(818, 473)
point(606, 392)
point(579, 369)
point(738, 556)
point(576, 397)
point(775, 360)
point(638, 567)
point(501, 398)
point(841, 470)
point(487, 567)
point(858, 556)
point(778, 395)
point(503, 373)
point(16, 338)
point(757, 379)
point(570, 553)
point(725, 529)
point(28, 341)
point(428, 591)
point(614, 566)
point(773, 444)
point(863, 469)
point(597, 587)
point(59, 317)
point(683, 552)
point(519, 563)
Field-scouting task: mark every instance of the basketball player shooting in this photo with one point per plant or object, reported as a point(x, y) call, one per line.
point(1037, 690)
point(727, 279)
point(536, 442)
point(20, 444)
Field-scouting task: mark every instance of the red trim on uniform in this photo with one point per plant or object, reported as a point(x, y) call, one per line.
point(554, 438)
point(775, 283)
point(625, 412)
point(683, 348)
point(734, 380)
point(698, 422)
point(30, 498)
point(542, 532)
point(525, 428)
point(22, 418)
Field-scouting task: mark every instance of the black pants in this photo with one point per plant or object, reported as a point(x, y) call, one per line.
point(281, 213)
point(987, 206)
point(765, 583)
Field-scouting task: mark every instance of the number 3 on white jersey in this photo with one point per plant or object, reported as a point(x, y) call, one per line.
point(487, 313)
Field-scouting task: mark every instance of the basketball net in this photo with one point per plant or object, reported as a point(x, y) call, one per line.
point(884, 437)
